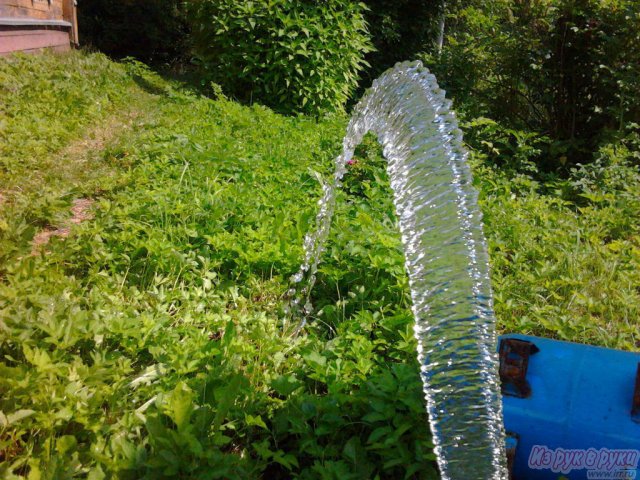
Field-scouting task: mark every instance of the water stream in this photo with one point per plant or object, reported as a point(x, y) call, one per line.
point(446, 260)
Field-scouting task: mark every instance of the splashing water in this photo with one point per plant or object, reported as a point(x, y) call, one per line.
point(446, 260)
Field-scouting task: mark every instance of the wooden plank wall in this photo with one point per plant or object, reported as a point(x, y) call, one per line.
point(38, 9)
point(33, 40)
point(34, 37)
point(70, 14)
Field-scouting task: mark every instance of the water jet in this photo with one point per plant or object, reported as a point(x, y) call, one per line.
point(557, 396)
point(445, 258)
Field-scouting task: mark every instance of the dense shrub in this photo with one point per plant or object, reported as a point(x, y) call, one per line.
point(153, 31)
point(400, 29)
point(294, 56)
point(565, 69)
point(591, 81)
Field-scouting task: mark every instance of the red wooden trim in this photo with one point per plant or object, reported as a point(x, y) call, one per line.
point(43, 9)
point(32, 22)
point(32, 40)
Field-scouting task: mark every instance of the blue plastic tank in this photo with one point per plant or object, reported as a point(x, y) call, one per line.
point(572, 411)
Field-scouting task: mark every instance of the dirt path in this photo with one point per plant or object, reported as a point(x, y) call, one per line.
point(80, 212)
point(82, 161)
point(82, 166)
point(97, 138)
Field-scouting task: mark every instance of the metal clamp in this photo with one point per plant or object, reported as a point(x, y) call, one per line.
point(511, 443)
point(514, 362)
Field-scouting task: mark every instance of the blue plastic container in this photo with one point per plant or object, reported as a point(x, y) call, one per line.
point(569, 409)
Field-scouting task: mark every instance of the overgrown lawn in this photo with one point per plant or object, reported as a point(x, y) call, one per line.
point(151, 343)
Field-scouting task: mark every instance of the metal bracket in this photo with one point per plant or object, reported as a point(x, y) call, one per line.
point(514, 361)
point(635, 404)
point(511, 443)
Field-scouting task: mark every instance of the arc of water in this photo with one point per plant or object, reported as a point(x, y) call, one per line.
point(446, 260)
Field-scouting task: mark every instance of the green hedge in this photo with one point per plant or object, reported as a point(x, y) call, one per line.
point(568, 70)
point(301, 56)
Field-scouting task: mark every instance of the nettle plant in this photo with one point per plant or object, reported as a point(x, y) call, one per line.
point(295, 56)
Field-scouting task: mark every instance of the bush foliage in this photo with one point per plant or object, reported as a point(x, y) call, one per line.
point(566, 70)
point(400, 30)
point(300, 56)
point(153, 31)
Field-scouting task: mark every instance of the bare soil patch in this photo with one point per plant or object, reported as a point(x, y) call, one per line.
point(80, 212)
point(79, 163)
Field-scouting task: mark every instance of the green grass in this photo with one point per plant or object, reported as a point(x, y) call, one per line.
point(150, 343)
point(567, 269)
point(57, 114)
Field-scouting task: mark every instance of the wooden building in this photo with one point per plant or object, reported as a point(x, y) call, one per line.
point(31, 25)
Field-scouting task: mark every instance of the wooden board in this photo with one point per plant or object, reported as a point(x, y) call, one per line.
point(15, 34)
point(39, 9)
point(32, 40)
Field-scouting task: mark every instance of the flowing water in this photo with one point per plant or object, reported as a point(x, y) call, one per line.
point(446, 260)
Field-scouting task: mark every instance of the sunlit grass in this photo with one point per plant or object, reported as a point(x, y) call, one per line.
point(150, 342)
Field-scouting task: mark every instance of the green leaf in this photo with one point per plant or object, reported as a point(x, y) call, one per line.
point(96, 473)
point(18, 415)
point(65, 444)
point(178, 405)
point(379, 433)
point(316, 359)
point(255, 420)
point(148, 376)
point(286, 384)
